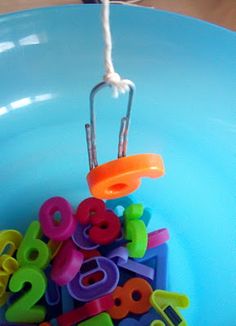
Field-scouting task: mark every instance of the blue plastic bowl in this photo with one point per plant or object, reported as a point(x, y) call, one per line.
point(184, 109)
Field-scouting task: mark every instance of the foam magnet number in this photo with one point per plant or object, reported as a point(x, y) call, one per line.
point(133, 212)
point(67, 302)
point(8, 265)
point(90, 253)
point(157, 323)
point(24, 309)
point(3, 283)
point(53, 229)
point(167, 304)
point(102, 319)
point(129, 322)
point(105, 224)
point(32, 250)
point(9, 241)
point(136, 234)
point(157, 238)
point(135, 231)
point(132, 297)
point(141, 322)
point(119, 205)
point(52, 295)
point(81, 238)
point(138, 269)
point(157, 259)
point(98, 276)
point(120, 257)
point(67, 263)
point(88, 310)
point(149, 317)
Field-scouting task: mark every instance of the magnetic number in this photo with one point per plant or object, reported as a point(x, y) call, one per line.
point(167, 304)
point(157, 259)
point(3, 283)
point(66, 264)
point(8, 265)
point(102, 319)
point(129, 322)
point(9, 241)
point(32, 250)
point(98, 276)
point(150, 318)
point(118, 205)
point(133, 212)
point(52, 295)
point(132, 297)
point(135, 231)
point(81, 238)
point(61, 229)
point(86, 311)
point(105, 224)
point(157, 323)
point(24, 309)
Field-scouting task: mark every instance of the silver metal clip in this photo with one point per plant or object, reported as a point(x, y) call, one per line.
point(91, 127)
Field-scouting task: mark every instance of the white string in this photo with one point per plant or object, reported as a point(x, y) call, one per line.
point(111, 76)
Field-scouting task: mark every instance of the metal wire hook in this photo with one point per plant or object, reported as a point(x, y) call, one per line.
point(91, 127)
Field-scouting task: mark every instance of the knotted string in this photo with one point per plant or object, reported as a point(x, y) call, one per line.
point(111, 77)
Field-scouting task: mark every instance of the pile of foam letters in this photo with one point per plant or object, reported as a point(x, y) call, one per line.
point(96, 265)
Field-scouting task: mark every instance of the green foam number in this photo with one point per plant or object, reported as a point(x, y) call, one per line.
point(135, 231)
point(32, 250)
point(102, 319)
point(24, 309)
point(133, 212)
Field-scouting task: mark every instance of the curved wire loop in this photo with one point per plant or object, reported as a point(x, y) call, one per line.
point(91, 127)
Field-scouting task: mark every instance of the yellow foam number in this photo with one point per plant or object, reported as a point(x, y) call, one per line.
point(157, 323)
point(8, 265)
point(24, 309)
point(167, 304)
point(9, 241)
point(3, 283)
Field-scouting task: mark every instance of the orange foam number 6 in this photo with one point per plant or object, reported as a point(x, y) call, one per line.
point(119, 178)
point(132, 297)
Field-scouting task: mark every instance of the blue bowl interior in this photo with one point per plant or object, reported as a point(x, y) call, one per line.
point(184, 109)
